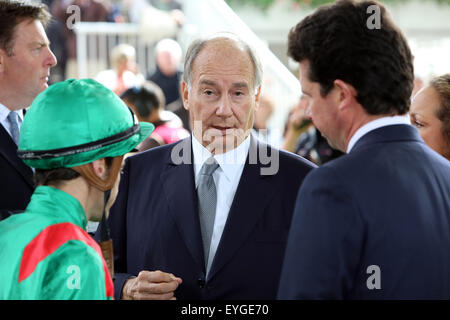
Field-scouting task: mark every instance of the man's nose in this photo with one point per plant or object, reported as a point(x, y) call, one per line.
point(51, 59)
point(224, 108)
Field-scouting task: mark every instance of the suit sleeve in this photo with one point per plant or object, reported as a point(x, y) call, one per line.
point(324, 242)
point(117, 224)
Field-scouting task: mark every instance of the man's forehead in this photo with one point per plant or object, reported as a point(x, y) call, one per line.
point(222, 57)
point(30, 31)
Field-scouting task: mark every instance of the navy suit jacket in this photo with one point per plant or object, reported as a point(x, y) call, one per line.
point(155, 226)
point(373, 224)
point(16, 177)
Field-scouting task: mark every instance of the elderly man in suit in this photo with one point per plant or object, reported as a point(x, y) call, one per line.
point(25, 62)
point(211, 213)
point(375, 223)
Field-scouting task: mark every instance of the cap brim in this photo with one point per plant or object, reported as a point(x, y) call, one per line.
point(113, 150)
point(146, 129)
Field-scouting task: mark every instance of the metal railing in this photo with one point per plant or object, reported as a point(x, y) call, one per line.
point(95, 41)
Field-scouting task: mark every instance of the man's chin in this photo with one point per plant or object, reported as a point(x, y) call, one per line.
point(223, 144)
point(335, 145)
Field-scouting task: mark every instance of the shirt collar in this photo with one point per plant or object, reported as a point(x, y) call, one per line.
point(375, 124)
point(51, 201)
point(230, 162)
point(4, 111)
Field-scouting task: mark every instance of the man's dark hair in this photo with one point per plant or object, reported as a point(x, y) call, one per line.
point(338, 44)
point(12, 13)
point(56, 176)
point(145, 98)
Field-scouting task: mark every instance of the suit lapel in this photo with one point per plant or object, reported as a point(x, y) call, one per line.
point(252, 195)
point(179, 187)
point(9, 150)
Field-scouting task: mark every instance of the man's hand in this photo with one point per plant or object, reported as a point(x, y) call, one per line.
point(151, 285)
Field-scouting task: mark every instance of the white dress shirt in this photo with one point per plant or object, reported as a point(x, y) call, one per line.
point(375, 124)
point(226, 178)
point(4, 112)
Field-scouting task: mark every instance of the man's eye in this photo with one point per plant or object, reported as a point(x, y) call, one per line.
point(417, 124)
point(208, 92)
point(238, 93)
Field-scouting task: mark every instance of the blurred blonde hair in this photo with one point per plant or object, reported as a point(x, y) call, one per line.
point(122, 51)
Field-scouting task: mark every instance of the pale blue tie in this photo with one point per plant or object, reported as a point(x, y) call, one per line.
point(13, 119)
point(207, 199)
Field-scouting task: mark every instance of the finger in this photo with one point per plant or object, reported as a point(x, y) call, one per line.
point(143, 275)
point(157, 288)
point(149, 296)
point(159, 276)
point(179, 280)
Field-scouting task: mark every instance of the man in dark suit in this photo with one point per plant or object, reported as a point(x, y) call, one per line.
point(375, 223)
point(25, 62)
point(212, 212)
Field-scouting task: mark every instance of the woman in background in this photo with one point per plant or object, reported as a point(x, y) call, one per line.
point(430, 113)
point(123, 74)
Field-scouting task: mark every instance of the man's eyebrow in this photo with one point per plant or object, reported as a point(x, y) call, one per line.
point(39, 43)
point(240, 85)
point(207, 82)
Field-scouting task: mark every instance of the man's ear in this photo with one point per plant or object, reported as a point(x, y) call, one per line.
point(185, 95)
point(99, 168)
point(2, 60)
point(257, 96)
point(346, 94)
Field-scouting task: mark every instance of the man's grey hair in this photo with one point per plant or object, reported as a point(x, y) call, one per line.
point(197, 45)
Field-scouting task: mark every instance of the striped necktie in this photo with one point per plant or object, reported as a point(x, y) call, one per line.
point(13, 119)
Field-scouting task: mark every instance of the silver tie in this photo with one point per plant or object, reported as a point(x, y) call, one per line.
point(207, 199)
point(13, 119)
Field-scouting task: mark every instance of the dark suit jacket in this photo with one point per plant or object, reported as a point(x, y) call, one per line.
point(385, 205)
point(16, 177)
point(155, 225)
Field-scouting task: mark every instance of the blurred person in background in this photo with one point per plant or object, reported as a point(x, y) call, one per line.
point(266, 107)
point(25, 63)
point(124, 73)
point(90, 11)
point(168, 74)
point(302, 138)
point(148, 102)
point(178, 108)
point(430, 114)
point(296, 124)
